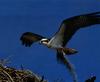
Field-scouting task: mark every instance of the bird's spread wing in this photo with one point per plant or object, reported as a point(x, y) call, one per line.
point(28, 38)
point(71, 25)
point(61, 58)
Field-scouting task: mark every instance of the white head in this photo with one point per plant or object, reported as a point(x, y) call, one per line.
point(44, 41)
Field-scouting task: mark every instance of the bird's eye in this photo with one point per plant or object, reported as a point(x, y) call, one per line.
point(41, 41)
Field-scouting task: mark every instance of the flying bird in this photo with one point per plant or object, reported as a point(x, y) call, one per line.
point(60, 39)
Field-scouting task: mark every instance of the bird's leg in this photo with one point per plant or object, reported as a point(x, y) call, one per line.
point(68, 51)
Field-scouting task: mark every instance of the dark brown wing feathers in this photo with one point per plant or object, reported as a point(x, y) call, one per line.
point(71, 25)
point(28, 38)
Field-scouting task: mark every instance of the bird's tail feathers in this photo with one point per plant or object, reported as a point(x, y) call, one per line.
point(65, 61)
point(68, 51)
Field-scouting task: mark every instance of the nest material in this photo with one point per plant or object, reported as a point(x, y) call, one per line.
point(8, 74)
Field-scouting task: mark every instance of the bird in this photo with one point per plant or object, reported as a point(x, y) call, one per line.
point(92, 79)
point(60, 39)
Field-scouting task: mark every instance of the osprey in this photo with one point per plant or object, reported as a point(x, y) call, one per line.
point(58, 42)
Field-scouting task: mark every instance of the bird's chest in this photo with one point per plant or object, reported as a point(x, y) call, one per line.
point(55, 42)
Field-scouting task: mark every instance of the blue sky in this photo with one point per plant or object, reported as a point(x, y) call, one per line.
point(44, 17)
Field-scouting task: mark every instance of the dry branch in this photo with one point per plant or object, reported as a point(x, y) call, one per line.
point(8, 74)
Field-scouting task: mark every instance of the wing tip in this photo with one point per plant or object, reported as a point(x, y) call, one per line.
point(26, 41)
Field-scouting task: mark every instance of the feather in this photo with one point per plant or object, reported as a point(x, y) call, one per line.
point(66, 62)
point(28, 38)
point(71, 25)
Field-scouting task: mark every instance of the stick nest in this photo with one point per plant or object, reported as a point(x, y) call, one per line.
point(9, 74)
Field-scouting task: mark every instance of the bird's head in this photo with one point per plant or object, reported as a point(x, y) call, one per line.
point(44, 41)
